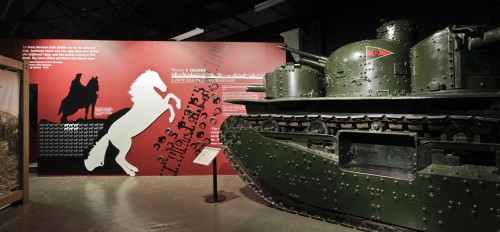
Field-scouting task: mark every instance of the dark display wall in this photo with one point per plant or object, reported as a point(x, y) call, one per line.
point(138, 107)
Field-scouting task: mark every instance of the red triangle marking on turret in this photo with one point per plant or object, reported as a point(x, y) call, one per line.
point(373, 53)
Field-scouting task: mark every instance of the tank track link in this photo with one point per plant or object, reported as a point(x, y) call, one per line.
point(429, 127)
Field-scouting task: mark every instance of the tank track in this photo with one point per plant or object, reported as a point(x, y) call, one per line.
point(429, 127)
point(473, 129)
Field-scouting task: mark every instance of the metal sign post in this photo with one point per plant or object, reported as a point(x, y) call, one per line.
point(206, 156)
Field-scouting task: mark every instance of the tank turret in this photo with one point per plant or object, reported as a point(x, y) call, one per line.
point(379, 67)
point(455, 60)
point(402, 32)
point(382, 135)
point(292, 80)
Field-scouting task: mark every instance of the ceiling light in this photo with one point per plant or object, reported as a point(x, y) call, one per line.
point(267, 4)
point(188, 34)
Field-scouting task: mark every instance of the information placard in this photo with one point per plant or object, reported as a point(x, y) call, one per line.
point(207, 155)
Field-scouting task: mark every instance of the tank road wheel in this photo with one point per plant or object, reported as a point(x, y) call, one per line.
point(454, 133)
point(235, 122)
point(231, 122)
point(377, 126)
point(270, 125)
point(317, 127)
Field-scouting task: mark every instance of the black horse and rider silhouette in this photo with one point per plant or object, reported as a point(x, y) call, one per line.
point(79, 96)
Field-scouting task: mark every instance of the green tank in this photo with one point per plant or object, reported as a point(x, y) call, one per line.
point(384, 134)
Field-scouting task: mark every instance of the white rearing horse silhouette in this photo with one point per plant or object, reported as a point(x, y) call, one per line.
point(148, 106)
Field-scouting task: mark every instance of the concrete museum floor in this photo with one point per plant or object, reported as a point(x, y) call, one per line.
point(174, 204)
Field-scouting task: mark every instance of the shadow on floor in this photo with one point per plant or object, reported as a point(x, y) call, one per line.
point(229, 196)
point(250, 194)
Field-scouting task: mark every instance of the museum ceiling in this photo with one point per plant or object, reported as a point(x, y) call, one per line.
point(145, 19)
point(228, 20)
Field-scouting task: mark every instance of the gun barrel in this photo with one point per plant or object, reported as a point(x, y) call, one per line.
point(318, 64)
point(489, 37)
point(306, 54)
point(256, 88)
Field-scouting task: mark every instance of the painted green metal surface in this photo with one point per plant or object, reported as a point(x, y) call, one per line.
point(444, 62)
point(294, 80)
point(435, 198)
point(403, 32)
point(395, 136)
point(369, 68)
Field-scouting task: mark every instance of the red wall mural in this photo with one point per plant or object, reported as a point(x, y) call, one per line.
point(156, 126)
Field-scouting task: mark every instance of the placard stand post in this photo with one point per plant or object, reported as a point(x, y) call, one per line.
point(205, 157)
point(215, 197)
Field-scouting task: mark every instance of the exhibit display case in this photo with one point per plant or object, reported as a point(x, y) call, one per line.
point(14, 146)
